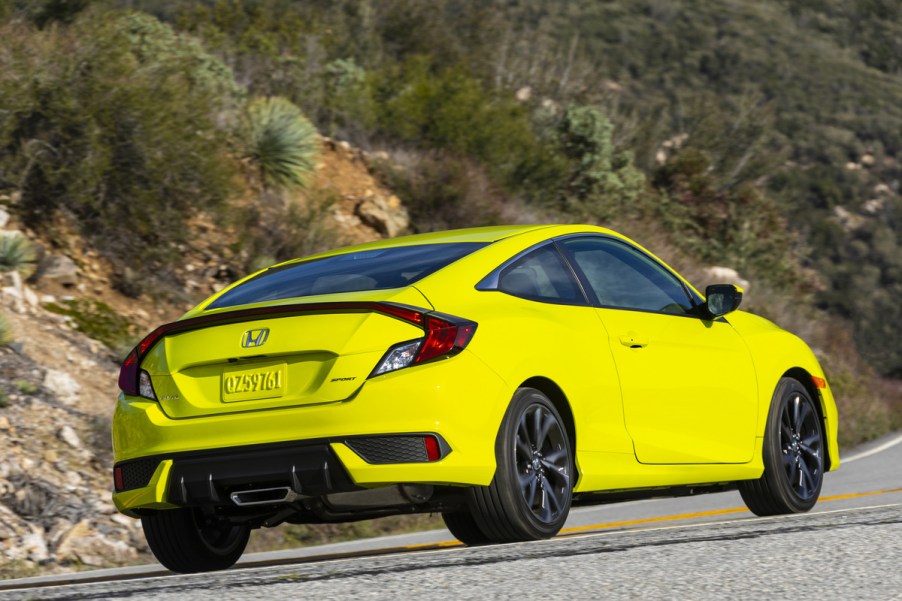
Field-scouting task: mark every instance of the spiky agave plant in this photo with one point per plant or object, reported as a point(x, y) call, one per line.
point(280, 141)
point(17, 254)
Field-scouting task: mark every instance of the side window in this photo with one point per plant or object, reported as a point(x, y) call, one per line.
point(541, 275)
point(626, 278)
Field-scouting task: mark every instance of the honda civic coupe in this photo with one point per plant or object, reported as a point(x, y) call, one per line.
point(496, 376)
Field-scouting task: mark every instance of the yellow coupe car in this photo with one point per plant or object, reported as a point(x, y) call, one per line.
point(495, 375)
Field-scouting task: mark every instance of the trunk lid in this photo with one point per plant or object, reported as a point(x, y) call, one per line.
point(322, 352)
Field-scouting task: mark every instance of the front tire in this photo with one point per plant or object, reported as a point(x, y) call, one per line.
point(793, 455)
point(529, 497)
point(184, 541)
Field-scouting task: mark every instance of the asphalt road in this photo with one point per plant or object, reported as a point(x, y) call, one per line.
point(705, 547)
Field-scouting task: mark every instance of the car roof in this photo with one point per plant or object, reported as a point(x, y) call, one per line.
point(486, 234)
point(474, 234)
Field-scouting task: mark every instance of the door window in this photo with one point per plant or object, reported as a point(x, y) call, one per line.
point(625, 278)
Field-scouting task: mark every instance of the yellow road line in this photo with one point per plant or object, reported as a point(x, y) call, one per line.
point(664, 518)
point(701, 514)
point(855, 495)
point(669, 518)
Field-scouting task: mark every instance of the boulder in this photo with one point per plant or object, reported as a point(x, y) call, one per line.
point(62, 385)
point(386, 216)
point(84, 544)
point(34, 546)
point(67, 435)
point(727, 275)
point(60, 269)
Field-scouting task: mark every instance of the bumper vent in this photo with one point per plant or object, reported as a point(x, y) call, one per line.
point(398, 449)
point(137, 473)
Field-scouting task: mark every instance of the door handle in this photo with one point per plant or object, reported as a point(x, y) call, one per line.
point(633, 340)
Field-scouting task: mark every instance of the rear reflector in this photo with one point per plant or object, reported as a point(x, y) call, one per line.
point(117, 479)
point(433, 453)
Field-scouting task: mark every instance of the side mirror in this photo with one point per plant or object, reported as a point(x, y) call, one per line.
point(721, 299)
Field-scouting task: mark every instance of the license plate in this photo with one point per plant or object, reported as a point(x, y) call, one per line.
point(253, 383)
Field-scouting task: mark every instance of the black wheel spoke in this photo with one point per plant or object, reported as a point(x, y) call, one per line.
point(812, 440)
point(804, 414)
point(547, 514)
point(808, 450)
point(555, 457)
point(547, 424)
point(806, 482)
point(788, 460)
point(796, 420)
point(551, 467)
point(793, 470)
point(786, 422)
point(523, 432)
point(529, 486)
point(554, 502)
point(536, 426)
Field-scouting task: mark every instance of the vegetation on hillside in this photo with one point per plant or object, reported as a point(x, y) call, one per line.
point(763, 135)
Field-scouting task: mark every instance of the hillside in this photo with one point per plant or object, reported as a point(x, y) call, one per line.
point(152, 151)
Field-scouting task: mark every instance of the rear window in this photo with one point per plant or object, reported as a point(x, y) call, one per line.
point(379, 269)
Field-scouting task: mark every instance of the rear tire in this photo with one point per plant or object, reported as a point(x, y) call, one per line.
point(465, 529)
point(793, 455)
point(184, 541)
point(529, 497)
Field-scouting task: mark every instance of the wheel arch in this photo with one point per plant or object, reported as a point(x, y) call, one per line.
point(554, 393)
point(804, 378)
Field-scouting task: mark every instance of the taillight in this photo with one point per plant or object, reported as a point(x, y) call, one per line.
point(445, 337)
point(128, 373)
point(133, 380)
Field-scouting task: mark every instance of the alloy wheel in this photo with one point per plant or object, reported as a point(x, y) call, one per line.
point(542, 463)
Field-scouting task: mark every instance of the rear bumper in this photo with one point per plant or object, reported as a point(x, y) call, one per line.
point(460, 400)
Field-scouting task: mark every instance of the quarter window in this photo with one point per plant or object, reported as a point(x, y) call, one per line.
point(626, 278)
point(541, 275)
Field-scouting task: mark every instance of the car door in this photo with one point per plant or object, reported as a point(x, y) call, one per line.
point(688, 384)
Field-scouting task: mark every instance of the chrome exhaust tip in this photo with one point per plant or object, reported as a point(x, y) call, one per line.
point(264, 496)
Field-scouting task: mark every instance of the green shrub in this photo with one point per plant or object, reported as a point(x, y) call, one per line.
point(6, 331)
point(275, 232)
point(443, 191)
point(17, 253)
point(106, 131)
point(280, 142)
point(26, 387)
point(46, 12)
point(602, 180)
point(452, 111)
